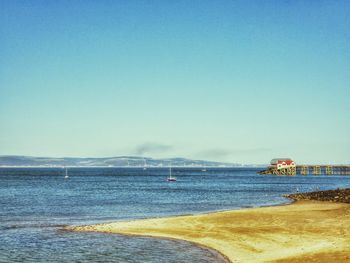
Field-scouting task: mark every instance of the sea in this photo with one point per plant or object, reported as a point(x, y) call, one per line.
point(36, 203)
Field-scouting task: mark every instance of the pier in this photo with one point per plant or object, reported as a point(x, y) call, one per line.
point(309, 170)
point(285, 166)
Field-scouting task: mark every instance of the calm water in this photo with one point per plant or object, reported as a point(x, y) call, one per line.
point(36, 203)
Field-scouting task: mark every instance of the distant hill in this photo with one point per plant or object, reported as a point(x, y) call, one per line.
point(121, 161)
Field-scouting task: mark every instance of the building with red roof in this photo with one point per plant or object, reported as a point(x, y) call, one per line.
point(281, 163)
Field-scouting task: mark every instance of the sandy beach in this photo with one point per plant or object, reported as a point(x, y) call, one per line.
point(304, 231)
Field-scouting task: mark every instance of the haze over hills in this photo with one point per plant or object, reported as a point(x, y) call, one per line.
point(120, 161)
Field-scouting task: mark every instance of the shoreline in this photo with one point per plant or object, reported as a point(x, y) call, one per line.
point(292, 232)
point(215, 252)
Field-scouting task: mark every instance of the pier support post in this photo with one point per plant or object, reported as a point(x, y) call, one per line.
point(316, 170)
point(343, 170)
point(292, 170)
point(304, 170)
point(329, 170)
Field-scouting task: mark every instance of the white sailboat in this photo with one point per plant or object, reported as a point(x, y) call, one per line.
point(170, 178)
point(66, 175)
point(144, 164)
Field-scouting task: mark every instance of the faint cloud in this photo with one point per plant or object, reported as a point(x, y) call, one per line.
point(148, 148)
point(250, 151)
point(222, 153)
point(214, 153)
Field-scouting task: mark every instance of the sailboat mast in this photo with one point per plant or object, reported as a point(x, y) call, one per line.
point(170, 178)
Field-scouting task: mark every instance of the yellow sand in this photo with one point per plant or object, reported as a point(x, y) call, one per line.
point(306, 231)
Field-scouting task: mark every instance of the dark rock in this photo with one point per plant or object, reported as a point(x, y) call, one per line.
point(338, 195)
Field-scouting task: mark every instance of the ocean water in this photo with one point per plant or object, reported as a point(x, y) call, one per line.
point(36, 203)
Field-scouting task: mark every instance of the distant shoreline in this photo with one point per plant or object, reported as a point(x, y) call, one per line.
point(141, 167)
point(303, 230)
point(115, 161)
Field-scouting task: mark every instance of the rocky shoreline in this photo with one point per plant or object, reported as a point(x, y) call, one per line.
point(338, 195)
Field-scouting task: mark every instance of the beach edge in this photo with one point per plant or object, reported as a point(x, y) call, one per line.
point(126, 227)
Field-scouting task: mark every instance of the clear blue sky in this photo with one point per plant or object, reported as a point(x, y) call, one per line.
point(238, 81)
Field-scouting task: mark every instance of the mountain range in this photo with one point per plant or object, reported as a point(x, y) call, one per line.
point(120, 161)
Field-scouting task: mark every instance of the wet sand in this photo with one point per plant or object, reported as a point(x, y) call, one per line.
point(305, 231)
